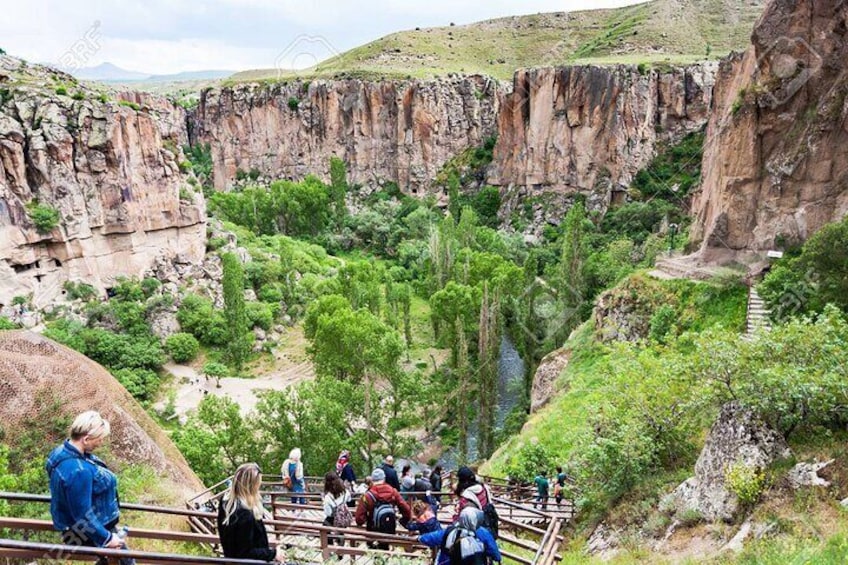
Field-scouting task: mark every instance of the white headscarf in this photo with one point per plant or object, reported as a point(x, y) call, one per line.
point(466, 533)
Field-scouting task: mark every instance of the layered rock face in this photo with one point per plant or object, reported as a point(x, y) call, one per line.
point(395, 131)
point(589, 130)
point(775, 165)
point(110, 171)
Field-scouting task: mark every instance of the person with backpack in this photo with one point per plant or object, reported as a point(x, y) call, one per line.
point(83, 491)
point(559, 487)
point(470, 492)
point(376, 509)
point(336, 513)
point(467, 542)
point(424, 520)
point(240, 527)
point(345, 470)
point(293, 477)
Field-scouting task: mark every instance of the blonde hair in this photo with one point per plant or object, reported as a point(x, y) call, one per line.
point(294, 454)
point(244, 492)
point(89, 424)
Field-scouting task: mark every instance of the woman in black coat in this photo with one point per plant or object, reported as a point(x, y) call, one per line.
point(240, 513)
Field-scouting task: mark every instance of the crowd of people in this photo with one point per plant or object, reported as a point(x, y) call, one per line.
point(85, 506)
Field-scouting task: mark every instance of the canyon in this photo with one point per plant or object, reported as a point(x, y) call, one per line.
point(774, 168)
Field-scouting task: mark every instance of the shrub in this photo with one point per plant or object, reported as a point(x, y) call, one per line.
point(531, 459)
point(78, 95)
point(141, 383)
point(79, 290)
point(662, 322)
point(45, 218)
point(215, 243)
point(198, 316)
point(215, 370)
point(7, 324)
point(294, 103)
point(149, 286)
point(270, 293)
point(259, 315)
point(61, 91)
point(746, 482)
point(129, 104)
point(182, 347)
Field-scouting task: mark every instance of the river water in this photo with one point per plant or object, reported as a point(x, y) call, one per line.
point(510, 386)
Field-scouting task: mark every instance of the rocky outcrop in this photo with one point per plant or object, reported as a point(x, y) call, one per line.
point(563, 130)
point(544, 381)
point(775, 165)
point(385, 131)
point(109, 170)
point(588, 130)
point(738, 437)
point(47, 382)
point(624, 312)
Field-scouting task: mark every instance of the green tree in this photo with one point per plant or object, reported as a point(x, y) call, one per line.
point(488, 351)
point(182, 347)
point(572, 285)
point(238, 338)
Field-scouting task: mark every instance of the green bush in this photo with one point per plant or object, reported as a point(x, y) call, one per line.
point(294, 103)
point(530, 460)
point(746, 482)
point(197, 316)
point(79, 290)
point(141, 383)
point(61, 91)
point(78, 95)
point(270, 293)
point(259, 315)
point(216, 370)
point(182, 347)
point(662, 322)
point(7, 324)
point(129, 104)
point(45, 218)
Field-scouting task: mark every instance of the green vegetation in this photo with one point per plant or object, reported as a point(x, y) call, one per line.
point(182, 347)
point(129, 104)
point(79, 290)
point(293, 104)
point(45, 218)
point(628, 35)
point(239, 340)
point(200, 162)
point(805, 280)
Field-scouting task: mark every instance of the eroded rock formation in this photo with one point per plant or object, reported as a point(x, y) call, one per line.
point(589, 130)
point(109, 170)
point(385, 131)
point(47, 382)
point(737, 437)
point(775, 165)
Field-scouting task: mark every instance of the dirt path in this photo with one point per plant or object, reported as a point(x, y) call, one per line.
point(290, 365)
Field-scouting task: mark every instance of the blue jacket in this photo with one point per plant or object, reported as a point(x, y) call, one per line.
point(437, 539)
point(83, 493)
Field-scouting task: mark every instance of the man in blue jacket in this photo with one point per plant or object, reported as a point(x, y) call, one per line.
point(83, 491)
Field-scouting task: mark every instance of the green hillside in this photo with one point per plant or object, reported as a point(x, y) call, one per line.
point(675, 31)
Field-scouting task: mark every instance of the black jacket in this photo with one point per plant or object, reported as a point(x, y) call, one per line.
point(391, 476)
point(244, 537)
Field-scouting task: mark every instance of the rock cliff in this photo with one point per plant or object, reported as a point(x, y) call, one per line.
point(563, 130)
point(385, 131)
point(775, 165)
point(109, 168)
point(585, 129)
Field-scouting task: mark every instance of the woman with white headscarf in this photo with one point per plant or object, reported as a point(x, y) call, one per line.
point(465, 542)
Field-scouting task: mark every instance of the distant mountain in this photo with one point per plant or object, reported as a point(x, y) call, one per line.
point(107, 72)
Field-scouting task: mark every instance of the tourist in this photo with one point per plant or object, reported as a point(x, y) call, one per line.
point(240, 514)
point(436, 482)
point(345, 470)
point(467, 541)
point(293, 478)
point(542, 486)
point(388, 468)
point(336, 513)
point(83, 491)
point(470, 491)
point(424, 519)
point(559, 487)
point(376, 508)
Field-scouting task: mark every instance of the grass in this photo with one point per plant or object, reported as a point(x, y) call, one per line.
point(660, 32)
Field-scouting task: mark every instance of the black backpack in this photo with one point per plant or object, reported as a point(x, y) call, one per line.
point(383, 518)
point(454, 552)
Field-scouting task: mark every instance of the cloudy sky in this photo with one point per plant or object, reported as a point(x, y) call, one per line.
point(168, 36)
